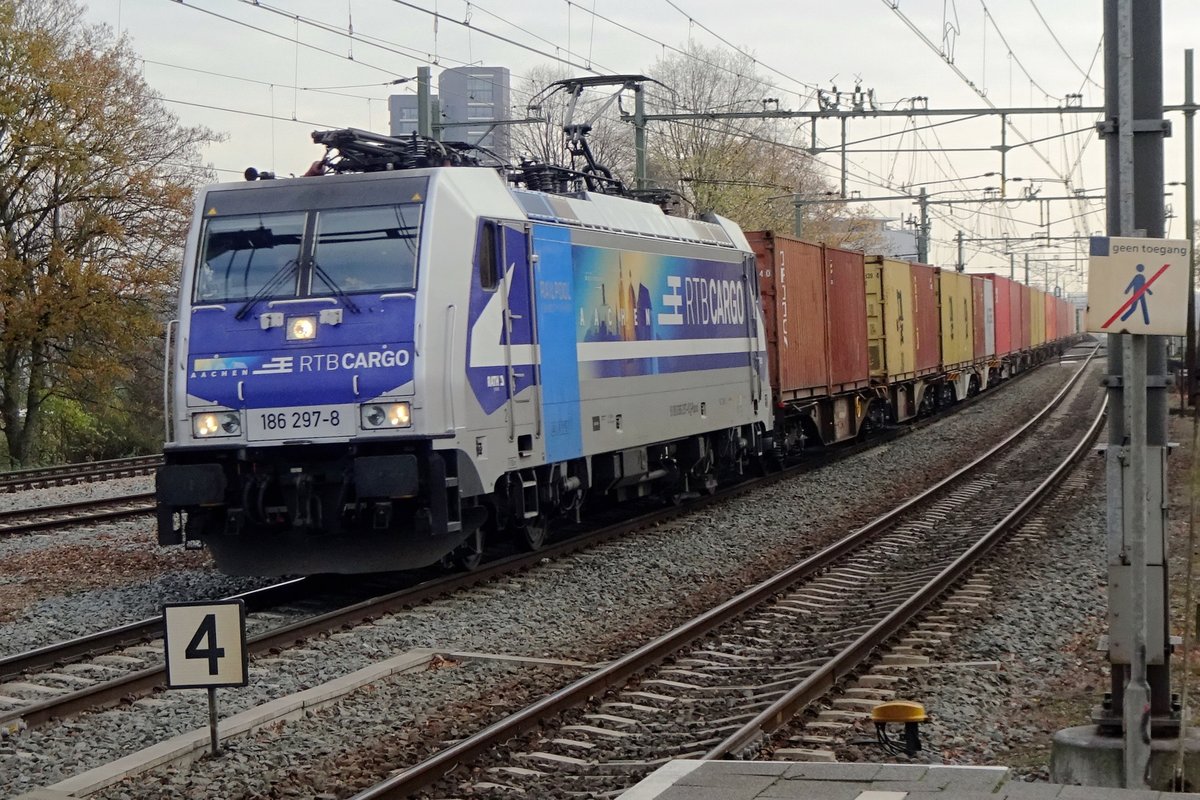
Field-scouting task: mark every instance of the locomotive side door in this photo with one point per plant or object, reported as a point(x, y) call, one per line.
point(753, 309)
point(519, 337)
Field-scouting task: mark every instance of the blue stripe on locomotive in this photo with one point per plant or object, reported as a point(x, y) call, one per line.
point(376, 345)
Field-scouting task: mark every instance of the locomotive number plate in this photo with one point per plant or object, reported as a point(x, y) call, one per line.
point(309, 422)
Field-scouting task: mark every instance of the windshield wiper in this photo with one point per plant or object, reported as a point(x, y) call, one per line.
point(332, 284)
point(280, 275)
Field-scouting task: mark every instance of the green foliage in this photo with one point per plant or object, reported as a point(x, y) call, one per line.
point(96, 181)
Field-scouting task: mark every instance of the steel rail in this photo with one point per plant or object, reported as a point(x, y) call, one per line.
point(421, 775)
point(821, 682)
point(16, 480)
point(59, 515)
point(131, 633)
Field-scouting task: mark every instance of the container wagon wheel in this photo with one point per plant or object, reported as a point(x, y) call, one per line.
point(531, 533)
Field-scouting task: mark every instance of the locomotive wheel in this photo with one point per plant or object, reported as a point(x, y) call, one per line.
point(531, 535)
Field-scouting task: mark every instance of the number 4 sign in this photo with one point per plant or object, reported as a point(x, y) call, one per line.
point(206, 648)
point(206, 644)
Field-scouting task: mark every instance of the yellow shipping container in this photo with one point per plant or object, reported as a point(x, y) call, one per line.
point(1037, 322)
point(955, 301)
point(891, 335)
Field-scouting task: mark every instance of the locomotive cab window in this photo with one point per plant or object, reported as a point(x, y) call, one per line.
point(243, 256)
point(366, 249)
point(489, 276)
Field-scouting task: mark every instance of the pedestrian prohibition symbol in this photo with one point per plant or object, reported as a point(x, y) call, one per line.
point(1138, 285)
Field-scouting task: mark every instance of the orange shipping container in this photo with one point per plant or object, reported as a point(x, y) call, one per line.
point(1002, 317)
point(979, 317)
point(1051, 312)
point(846, 293)
point(927, 323)
point(815, 314)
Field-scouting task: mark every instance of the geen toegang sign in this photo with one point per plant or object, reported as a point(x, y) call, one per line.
point(1138, 285)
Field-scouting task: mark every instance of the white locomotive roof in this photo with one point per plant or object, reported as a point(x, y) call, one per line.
point(488, 194)
point(608, 213)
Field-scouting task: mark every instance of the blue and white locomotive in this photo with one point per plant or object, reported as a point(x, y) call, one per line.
point(376, 369)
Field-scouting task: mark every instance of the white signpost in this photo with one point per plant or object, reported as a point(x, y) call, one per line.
point(206, 648)
point(1138, 286)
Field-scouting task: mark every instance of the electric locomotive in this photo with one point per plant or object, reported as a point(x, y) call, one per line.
point(380, 364)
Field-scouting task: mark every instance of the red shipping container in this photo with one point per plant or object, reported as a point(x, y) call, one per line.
point(1002, 292)
point(928, 318)
point(815, 314)
point(979, 315)
point(846, 301)
point(791, 280)
point(1051, 317)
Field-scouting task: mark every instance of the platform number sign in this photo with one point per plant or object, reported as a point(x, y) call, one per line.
point(206, 644)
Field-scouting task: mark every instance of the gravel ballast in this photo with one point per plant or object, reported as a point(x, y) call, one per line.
point(587, 607)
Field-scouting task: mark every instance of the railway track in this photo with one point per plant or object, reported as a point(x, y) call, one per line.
point(64, 679)
point(768, 653)
point(62, 515)
point(84, 472)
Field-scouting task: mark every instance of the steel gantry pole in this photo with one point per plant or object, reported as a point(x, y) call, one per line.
point(1189, 189)
point(1136, 453)
point(639, 136)
point(923, 231)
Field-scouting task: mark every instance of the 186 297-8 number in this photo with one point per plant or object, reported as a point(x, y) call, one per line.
point(300, 420)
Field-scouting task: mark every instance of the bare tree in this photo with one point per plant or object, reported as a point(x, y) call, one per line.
point(610, 139)
point(749, 169)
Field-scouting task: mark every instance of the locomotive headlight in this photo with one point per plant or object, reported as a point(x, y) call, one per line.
point(386, 415)
point(300, 328)
point(208, 424)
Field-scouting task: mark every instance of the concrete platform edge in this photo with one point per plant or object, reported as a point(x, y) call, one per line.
point(188, 746)
point(661, 779)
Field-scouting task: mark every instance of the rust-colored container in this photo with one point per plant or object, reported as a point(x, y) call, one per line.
point(927, 324)
point(954, 301)
point(791, 279)
point(1002, 316)
point(979, 316)
point(1026, 326)
point(1051, 316)
point(849, 367)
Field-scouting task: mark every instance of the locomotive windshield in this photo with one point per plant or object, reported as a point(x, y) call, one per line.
point(367, 249)
point(314, 253)
point(245, 254)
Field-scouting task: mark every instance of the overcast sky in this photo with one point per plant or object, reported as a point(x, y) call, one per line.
point(267, 74)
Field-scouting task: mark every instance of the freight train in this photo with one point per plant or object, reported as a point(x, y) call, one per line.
point(381, 364)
